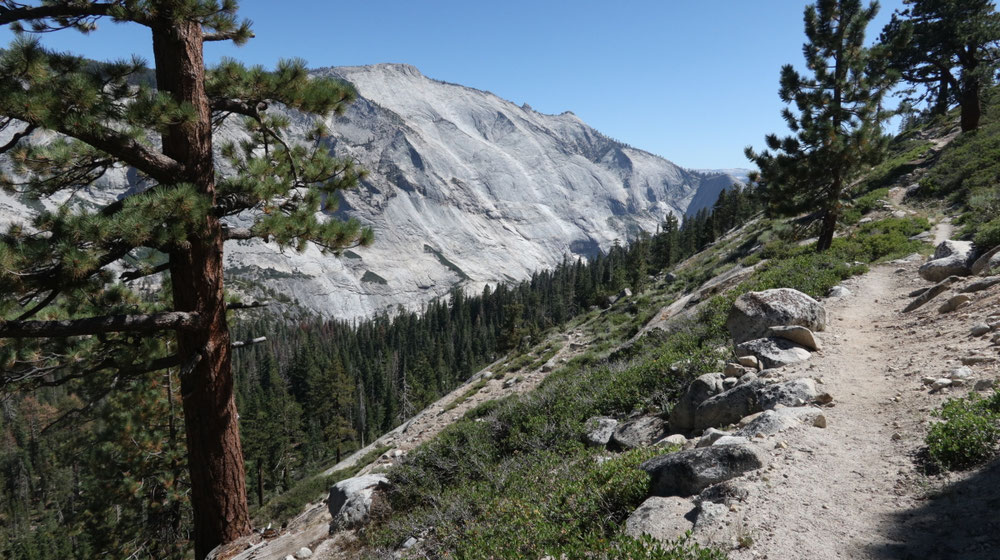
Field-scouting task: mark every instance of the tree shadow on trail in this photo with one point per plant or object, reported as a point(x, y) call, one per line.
point(958, 520)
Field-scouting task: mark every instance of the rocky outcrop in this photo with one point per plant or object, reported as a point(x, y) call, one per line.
point(951, 258)
point(754, 313)
point(773, 352)
point(925, 295)
point(350, 500)
point(688, 472)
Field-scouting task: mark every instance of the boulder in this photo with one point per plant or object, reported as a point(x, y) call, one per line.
point(737, 370)
point(951, 258)
point(838, 292)
point(799, 335)
point(598, 430)
point(980, 285)
point(674, 439)
point(750, 361)
point(350, 500)
point(780, 419)
point(710, 436)
point(988, 263)
point(688, 472)
point(663, 518)
point(729, 406)
point(303, 553)
point(705, 386)
point(979, 329)
point(731, 440)
point(930, 293)
point(796, 392)
point(773, 352)
point(754, 312)
point(638, 433)
point(955, 303)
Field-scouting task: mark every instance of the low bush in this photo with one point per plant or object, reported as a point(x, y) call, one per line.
point(968, 433)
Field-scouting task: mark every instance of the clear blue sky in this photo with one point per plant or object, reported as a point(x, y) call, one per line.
point(693, 81)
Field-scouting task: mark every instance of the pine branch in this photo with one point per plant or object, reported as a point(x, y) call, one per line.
point(41, 305)
point(249, 342)
point(17, 137)
point(97, 325)
point(237, 35)
point(237, 305)
point(74, 10)
point(142, 273)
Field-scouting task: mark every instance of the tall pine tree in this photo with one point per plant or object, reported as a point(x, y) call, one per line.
point(948, 46)
point(837, 131)
point(58, 281)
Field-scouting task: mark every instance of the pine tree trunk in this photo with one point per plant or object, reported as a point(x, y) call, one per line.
point(972, 108)
point(215, 458)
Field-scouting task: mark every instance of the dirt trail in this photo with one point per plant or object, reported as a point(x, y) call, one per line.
point(853, 490)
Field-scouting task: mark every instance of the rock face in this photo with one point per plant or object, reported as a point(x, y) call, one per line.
point(754, 313)
point(773, 352)
point(663, 518)
point(459, 180)
point(351, 500)
point(705, 386)
point(638, 433)
point(951, 258)
point(688, 472)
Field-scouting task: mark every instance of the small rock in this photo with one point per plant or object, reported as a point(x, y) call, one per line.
point(823, 398)
point(729, 382)
point(675, 439)
point(799, 335)
point(984, 385)
point(710, 436)
point(981, 285)
point(598, 430)
point(928, 380)
point(940, 384)
point(896, 436)
point(973, 360)
point(960, 373)
point(979, 329)
point(838, 292)
point(736, 370)
point(750, 362)
point(955, 303)
point(409, 543)
point(303, 552)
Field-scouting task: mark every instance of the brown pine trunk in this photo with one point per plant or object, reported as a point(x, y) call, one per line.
point(828, 228)
point(972, 108)
point(215, 458)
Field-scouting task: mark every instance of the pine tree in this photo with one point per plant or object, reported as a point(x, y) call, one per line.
point(837, 131)
point(948, 46)
point(60, 267)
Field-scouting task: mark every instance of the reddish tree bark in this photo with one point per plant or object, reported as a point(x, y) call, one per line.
point(215, 457)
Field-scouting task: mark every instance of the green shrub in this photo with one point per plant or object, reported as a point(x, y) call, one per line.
point(988, 235)
point(968, 433)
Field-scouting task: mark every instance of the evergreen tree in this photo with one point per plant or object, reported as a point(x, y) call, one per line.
point(950, 47)
point(61, 267)
point(837, 131)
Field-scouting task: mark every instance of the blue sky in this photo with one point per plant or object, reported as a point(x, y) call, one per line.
point(693, 81)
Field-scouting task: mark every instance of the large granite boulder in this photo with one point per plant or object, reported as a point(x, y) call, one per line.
point(988, 263)
point(663, 518)
point(951, 258)
point(598, 430)
point(705, 386)
point(638, 433)
point(773, 352)
point(688, 472)
point(351, 500)
point(729, 406)
point(754, 313)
